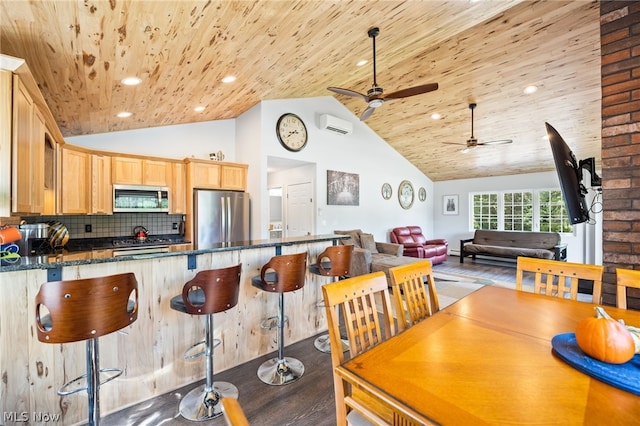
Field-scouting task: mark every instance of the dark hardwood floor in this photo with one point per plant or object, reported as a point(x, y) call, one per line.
point(308, 401)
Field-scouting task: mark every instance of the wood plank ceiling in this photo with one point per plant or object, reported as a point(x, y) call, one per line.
point(478, 51)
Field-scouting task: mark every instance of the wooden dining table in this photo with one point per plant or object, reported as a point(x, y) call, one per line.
point(487, 359)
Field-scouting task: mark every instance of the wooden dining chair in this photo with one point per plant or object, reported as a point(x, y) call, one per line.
point(557, 278)
point(625, 278)
point(357, 299)
point(233, 412)
point(414, 293)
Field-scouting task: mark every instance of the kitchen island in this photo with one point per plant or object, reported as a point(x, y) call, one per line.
point(151, 353)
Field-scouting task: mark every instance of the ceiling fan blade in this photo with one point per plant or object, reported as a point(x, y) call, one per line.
point(497, 142)
point(367, 113)
point(412, 91)
point(348, 92)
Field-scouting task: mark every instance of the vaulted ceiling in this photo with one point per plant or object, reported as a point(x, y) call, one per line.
point(485, 52)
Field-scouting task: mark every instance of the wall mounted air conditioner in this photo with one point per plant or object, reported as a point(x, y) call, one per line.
point(335, 124)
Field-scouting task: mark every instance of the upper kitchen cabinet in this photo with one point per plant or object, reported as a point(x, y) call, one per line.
point(28, 163)
point(101, 188)
point(6, 85)
point(216, 175)
point(178, 188)
point(76, 180)
point(140, 171)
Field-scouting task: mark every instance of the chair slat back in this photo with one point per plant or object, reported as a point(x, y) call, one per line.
point(358, 299)
point(413, 302)
point(87, 308)
point(219, 286)
point(335, 261)
point(557, 278)
point(625, 278)
point(290, 271)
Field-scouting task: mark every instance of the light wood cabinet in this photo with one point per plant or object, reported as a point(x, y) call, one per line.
point(76, 182)
point(28, 152)
point(140, 171)
point(6, 85)
point(156, 173)
point(233, 177)
point(101, 187)
point(126, 170)
point(178, 188)
point(217, 175)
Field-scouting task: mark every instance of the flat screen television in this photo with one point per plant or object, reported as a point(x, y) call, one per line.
point(570, 175)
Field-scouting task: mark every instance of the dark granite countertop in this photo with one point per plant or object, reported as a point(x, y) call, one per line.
point(105, 254)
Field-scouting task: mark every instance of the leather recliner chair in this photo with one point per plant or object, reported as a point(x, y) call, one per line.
point(416, 245)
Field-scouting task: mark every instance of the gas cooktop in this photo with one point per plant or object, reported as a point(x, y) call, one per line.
point(131, 242)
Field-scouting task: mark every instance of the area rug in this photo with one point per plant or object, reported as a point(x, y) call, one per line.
point(452, 287)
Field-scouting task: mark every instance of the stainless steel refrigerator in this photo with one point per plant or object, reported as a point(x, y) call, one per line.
point(221, 217)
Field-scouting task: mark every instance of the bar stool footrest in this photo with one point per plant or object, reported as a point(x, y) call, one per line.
point(63, 392)
point(187, 356)
point(272, 322)
point(323, 344)
point(202, 404)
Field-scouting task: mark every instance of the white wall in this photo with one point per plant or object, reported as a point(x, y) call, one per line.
point(583, 245)
point(195, 140)
point(251, 139)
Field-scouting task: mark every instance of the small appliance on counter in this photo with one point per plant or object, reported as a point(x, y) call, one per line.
point(140, 233)
point(34, 238)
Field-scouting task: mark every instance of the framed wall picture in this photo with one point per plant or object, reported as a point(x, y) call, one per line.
point(343, 189)
point(386, 191)
point(450, 204)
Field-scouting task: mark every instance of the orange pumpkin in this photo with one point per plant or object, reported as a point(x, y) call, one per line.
point(605, 339)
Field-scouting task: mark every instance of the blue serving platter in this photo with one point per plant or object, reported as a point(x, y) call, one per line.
point(624, 376)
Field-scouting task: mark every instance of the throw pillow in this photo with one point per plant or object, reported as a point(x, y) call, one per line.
point(354, 239)
point(368, 243)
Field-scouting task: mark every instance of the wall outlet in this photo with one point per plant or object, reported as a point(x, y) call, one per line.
point(87, 228)
point(175, 225)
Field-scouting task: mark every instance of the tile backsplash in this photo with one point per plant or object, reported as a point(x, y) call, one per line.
point(116, 225)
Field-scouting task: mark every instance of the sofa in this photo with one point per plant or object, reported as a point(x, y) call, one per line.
point(372, 256)
point(416, 245)
point(512, 244)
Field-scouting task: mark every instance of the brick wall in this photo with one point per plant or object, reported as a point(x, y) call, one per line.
point(620, 44)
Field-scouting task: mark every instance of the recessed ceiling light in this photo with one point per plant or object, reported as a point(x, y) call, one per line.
point(362, 62)
point(199, 109)
point(229, 79)
point(530, 89)
point(131, 81)
point(436, 116)
point(125, 114)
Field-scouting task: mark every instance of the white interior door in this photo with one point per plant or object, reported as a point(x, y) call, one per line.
point(300, 210)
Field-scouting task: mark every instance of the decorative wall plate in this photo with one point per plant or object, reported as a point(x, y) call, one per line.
point(386, 191)
point(405, 194)
point(422, 194)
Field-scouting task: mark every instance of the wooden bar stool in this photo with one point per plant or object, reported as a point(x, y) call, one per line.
point(335, 262)
point(281, 274)
point(84, 310)
point(208, 293)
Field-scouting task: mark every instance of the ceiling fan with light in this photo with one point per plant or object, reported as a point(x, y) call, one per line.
point(374, 97)
point(472, 142)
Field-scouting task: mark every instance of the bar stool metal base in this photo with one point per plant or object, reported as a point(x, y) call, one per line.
point(280, 371)
point(199, 405)
point(323, 344)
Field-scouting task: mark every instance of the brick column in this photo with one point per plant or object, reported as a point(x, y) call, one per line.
point(620, 50)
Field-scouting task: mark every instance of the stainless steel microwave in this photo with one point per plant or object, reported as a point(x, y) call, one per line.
point(140, 198)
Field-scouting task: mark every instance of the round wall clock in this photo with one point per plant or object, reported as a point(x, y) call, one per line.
point(291, 132)
point(405, 194)
point(386, 191)
point(422, 194)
